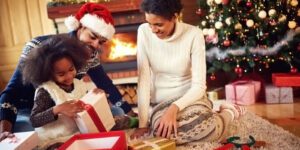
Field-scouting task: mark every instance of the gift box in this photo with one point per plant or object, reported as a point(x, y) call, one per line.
point(97, 116)
point(279, 94)
point(153, 144)
point(286, 79)
point(242, 92)
point(114, 140)
point(21, 141)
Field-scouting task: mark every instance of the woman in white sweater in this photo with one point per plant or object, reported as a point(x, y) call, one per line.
point(172, 74)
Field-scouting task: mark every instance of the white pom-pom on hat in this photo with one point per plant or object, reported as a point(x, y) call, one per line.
point(72, 23)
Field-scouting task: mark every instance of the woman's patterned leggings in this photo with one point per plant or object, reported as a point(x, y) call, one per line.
point(195, 122)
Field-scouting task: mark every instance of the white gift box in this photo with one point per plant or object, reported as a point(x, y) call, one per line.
point(97, 116)
point(114, 140)
point(23, 141)
point(276, 94)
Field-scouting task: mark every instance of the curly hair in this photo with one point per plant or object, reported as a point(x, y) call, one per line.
point(164, 8)
point(37, 67)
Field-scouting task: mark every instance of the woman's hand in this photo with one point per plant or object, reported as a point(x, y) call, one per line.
point(97, 91)
point(167, 124)
point(139, 132)
point(86, 78)
point(69, 108)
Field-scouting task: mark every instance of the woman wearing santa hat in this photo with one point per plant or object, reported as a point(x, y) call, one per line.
point(93, 25)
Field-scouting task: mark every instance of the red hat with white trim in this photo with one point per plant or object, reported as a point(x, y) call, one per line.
point(94, 16)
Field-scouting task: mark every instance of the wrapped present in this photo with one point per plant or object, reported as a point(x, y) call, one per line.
point(279, 94)
point(242, 92)
point(97, 116)
point(21, 141)
point(153, 144)
point(216, 94)
point(286, 79)
point(114, 140)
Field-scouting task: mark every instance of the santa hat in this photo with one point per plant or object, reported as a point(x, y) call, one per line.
point(95, 17)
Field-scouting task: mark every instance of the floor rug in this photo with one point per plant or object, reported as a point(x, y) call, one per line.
point(250, 124)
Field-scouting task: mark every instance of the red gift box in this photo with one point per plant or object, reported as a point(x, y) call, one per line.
point(114, 140)
point(286, 79)
point(242, 92)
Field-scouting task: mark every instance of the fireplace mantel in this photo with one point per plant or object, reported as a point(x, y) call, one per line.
point(124, 12)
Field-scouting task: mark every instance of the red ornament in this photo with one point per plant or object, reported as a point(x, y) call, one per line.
point(200, 12)
point(212, 77)
point(225, 2)
point(249, 4)
point(238, 70)
point(294, 70)
point(298, 47)
point(226, 43)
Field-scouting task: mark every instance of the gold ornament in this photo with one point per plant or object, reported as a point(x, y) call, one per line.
point(238, 26)
point(292, 24)
point(294, 3)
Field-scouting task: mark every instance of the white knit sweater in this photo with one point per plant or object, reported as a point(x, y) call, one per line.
point(170, 68)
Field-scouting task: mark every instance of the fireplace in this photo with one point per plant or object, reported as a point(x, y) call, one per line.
point(118, 56)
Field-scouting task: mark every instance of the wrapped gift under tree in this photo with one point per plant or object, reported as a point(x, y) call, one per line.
point(243, 92)
point(279, 94)
point(286, 79)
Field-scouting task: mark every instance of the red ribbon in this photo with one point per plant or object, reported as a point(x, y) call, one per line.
point(94, 116)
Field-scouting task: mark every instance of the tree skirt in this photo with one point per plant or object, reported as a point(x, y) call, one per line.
point(262, 130)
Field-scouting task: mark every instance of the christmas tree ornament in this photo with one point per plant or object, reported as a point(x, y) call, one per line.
point(282, 18)
point(212, 77)
point(218, 25)
point(228, 20)
point(205, 31)
point(210, 2)
point(272, 22)
point(294, 69)
point(249, 4)
point(250, 23)
point(292, 24)
point(238, 26)
point(294, 3)
point(272, 12)
point(225, 2)
point(200, 12)
point(226, 43)
point(204, 23)
point(262, 14)
point(218, 1)
point(298, 14)
point(238, 70)
point(211, 32)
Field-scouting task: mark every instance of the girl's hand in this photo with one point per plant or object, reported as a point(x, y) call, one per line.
point(69, 108)
point(86, 78)
point(139, 132)
point(167, 123)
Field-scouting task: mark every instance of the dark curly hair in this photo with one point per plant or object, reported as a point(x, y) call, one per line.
point(164, 8)
point(37, 67)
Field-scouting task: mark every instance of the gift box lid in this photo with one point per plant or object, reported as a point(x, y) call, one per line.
point(21, 141)
point(286, 79)
point(114, 140)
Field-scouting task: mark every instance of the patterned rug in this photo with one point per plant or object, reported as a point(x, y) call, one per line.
point(262, 130)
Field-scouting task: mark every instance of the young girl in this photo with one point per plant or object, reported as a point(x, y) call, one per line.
point(52, 67)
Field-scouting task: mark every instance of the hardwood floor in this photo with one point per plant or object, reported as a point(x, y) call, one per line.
point(285, 115)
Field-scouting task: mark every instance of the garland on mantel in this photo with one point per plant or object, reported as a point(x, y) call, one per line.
point(57, 3)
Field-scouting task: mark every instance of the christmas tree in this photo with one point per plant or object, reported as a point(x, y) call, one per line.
point(245, 36)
